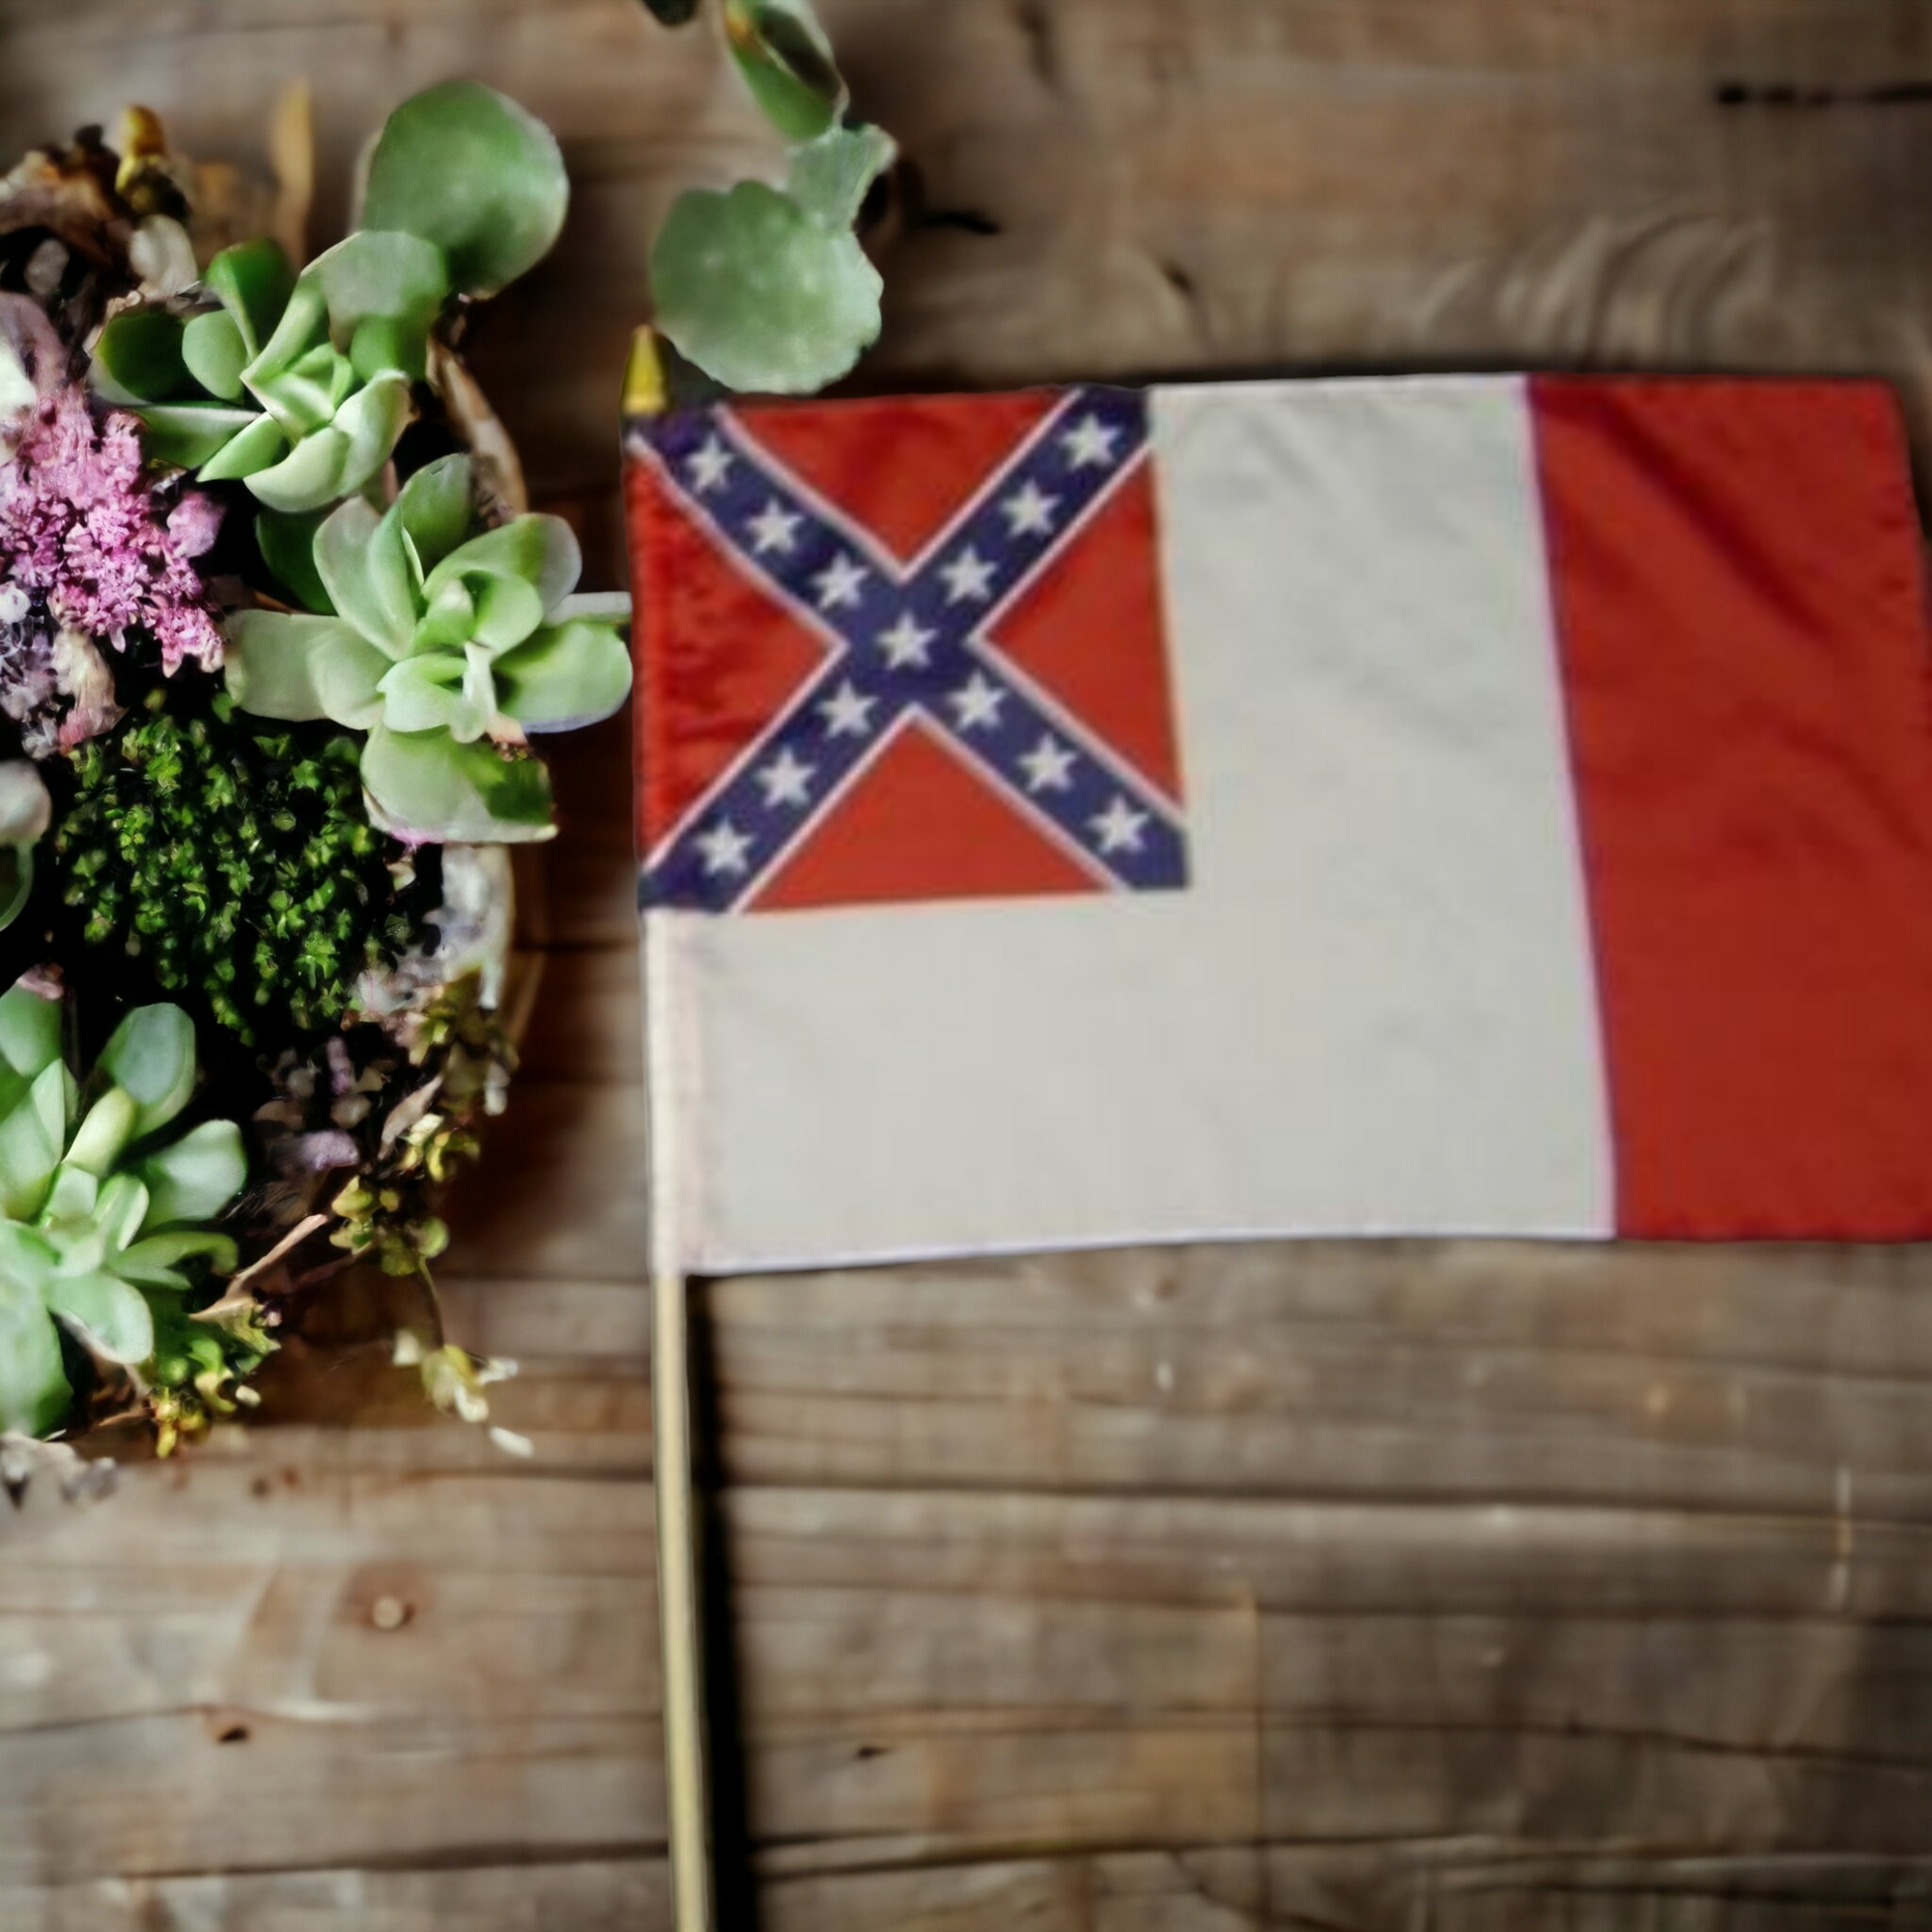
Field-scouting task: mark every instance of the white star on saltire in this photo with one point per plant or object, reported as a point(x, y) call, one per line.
point(906, 641)
point(838, 584)
point(709, 467)
point(724, 849)
point(847, 711)
point(969, 578)
point(1120, 828)
point(975, 702)
point(1090, 441)
point(775, 529)
point(1047, 766)
point(786, 779)
point(1029, 511)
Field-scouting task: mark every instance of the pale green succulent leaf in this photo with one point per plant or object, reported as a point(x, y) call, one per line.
point(70, 1215)
point(189, 435)
point(303, 325)
point(382, 274)
point(121, 1211)
point(758, 294)
point(461, 166)
point(438, 507)
point(155, 1263)
point(565, 676)
point(539, 550)
point(505, 611)
point(335, 461)
point(299, 667)
point(28, 1153)
point(448, 620)
point(252, 280)
point(369, 572)
point(55, 1098)
point(830, 178)
point(428, 693)
point(303, 395)
point(215, 354)
point(786, 61)
point(196, 1178)
point(108, 1126)
point(30, 1030)
point(260, 444)
point(425, 785)
point(35, 1395)
point(140, 351)
point(112, 1318)
point(150, 1053)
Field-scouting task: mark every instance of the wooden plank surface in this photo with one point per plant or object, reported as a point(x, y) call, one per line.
point(1431, 1587)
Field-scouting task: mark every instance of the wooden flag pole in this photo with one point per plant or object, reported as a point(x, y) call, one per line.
point(687, 1783)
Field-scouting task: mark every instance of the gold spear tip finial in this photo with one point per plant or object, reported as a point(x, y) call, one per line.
point(645, 393)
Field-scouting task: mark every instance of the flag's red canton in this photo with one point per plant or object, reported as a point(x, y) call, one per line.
point(1739, 601)
point(902, 650)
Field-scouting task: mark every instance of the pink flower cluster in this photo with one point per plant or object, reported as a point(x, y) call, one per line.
point(77, 523)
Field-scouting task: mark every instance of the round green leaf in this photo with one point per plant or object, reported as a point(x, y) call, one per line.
point(757, 294)
point(470, 170)
point(152, 1055)
point(830, 178)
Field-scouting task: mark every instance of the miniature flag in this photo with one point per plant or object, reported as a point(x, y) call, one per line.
point(1474, 806)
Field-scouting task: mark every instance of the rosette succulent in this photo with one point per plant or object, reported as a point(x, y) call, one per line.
point(446, 652)
point(102, 1221)
point(300, 384)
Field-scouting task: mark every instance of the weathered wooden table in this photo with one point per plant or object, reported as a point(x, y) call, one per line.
point(1383, 1587)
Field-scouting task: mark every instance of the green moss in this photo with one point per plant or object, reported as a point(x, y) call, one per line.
point(236, 862)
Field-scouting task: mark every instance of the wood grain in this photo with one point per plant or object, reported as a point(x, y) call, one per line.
point(1408, 1588)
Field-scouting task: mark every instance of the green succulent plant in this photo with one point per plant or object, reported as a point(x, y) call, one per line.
point(102, 1220)
point(446, 650)
point(767, 287)
point(301, 384)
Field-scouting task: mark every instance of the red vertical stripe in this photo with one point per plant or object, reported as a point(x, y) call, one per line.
point(1742, 624)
